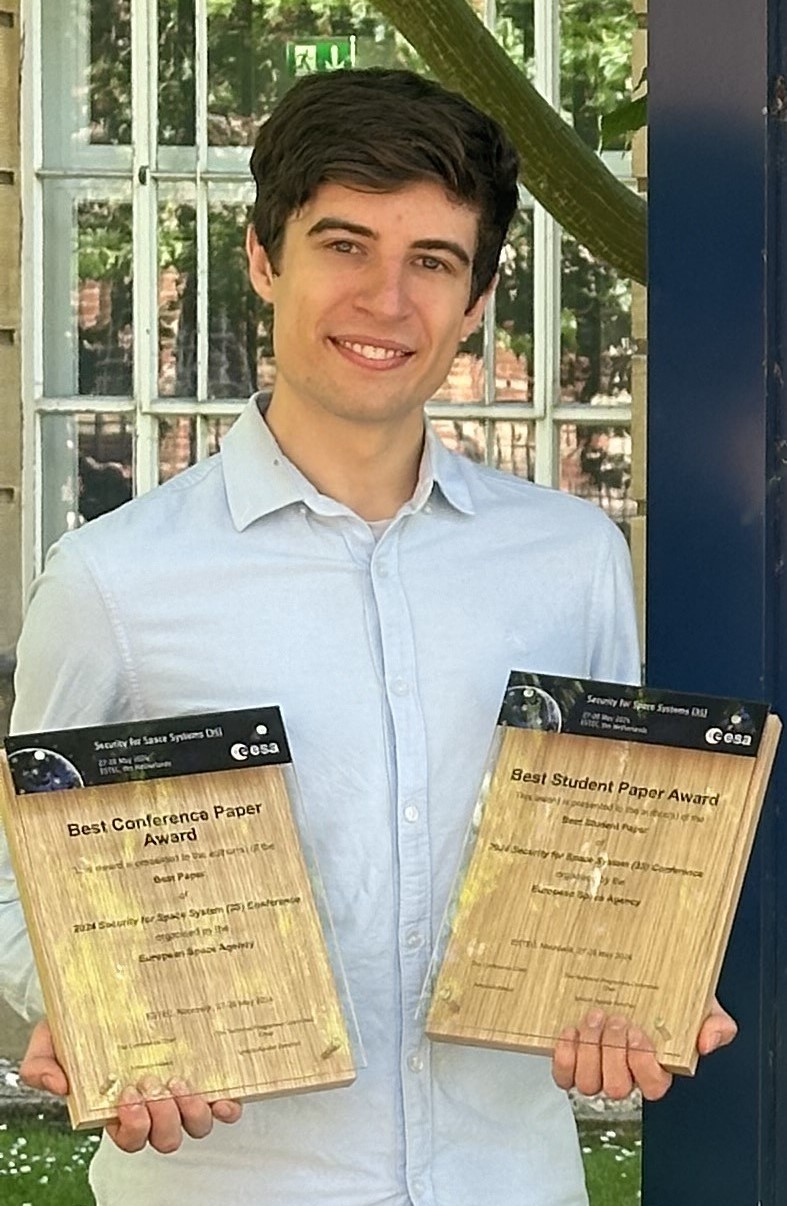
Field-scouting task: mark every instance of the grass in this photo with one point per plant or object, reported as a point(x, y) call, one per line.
point(44, 1163)
point(612, 1153)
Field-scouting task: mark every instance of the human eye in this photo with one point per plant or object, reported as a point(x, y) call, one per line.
point(344, 246)
point(433, 263)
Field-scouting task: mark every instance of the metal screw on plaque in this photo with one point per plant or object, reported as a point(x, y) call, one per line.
point(662, 1028)
point(331, 1050)
point(110, 1085)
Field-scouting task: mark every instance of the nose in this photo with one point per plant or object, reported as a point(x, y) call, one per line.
point(384, 290)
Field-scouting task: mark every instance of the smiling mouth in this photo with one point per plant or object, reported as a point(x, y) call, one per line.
point(372, 353)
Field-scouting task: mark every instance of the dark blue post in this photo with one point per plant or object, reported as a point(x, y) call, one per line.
point(716, 510)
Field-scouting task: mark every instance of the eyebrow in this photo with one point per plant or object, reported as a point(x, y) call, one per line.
point(343, 224)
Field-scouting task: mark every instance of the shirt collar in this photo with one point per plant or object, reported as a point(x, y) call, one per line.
point(259, 479)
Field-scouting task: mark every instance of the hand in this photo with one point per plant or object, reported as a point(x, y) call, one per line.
point(150, 1113)
point(610, 1056)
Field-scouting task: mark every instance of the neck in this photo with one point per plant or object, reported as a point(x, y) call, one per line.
point(372, 468)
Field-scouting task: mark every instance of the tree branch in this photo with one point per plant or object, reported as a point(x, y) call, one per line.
point(560, 170)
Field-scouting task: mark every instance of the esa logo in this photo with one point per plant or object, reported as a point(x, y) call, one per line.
point(241, 751)
point(716, 736)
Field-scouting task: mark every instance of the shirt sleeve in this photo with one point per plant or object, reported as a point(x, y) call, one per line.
point(615, 655)
point(70, 672)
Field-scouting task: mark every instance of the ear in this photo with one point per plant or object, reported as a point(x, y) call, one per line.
point(474, 316)
point(261, 272)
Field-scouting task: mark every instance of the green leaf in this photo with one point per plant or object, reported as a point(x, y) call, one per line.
point(623, 121)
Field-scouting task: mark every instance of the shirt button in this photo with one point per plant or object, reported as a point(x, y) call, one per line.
point(400, 686)
point(418, 1187)
point(428, 509)
point(415, 940)
point(411, 813)
point(415, 1063)
point(302, 508)
point(382, 571)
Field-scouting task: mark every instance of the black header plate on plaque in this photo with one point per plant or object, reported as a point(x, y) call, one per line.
point(147, 749)
point(629, 713)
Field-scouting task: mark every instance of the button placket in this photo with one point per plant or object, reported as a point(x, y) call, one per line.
point(413, 847)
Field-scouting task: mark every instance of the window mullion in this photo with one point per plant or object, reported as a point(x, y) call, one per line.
point(546, 262)
point(144, 119)
point(201, 69)
point(32, 310)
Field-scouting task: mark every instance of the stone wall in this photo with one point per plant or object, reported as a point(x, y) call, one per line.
point(12, 1031)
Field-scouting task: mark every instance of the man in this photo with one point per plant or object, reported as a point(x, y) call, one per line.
point(336, 560)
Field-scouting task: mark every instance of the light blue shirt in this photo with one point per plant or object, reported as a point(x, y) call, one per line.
point(237, 584)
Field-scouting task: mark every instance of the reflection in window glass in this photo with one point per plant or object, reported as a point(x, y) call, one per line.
point(514, 315)
point(177, 113)
point(468, 438)
point(509, 446)
point(595, 463)
point(516, 32)
point(177, 295)
point(514, 448)
point(217, 429)
point(240, 334)
point(110, 71)
point(595, 60)
point(465, 380)
point(177, 444)
point(596, 350)
point(104, 298)
point(248, 68)
point(87, 469)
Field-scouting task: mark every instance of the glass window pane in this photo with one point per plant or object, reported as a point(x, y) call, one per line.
point(240, 334)
point(516, 32)
point(217, 429)
point(596, 348)
point(88, 293)
point(514, 315)
point(177, 444)
point(86, 68)
point(110, 71)
point(177, 112)
point(513, 448)
point(104, 298)
point(595, 463)
point(86, 469)
point(248, 62)
point(468, 438)
point(177, 292)
point(595, 59)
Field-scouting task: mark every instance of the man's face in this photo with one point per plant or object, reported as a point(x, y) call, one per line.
point(370, 299)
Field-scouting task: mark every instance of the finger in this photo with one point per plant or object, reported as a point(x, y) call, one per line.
point(166, 1129)
point(131, 1129)
point(648, 1074)
point(40, 1067)
point(564, 1058)
point(226, 1111)
point(718, 1030)
point(195, 1113)
point(615, 1074)
point(588, 1071)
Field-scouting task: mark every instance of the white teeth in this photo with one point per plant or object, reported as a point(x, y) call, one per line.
point(370, 351)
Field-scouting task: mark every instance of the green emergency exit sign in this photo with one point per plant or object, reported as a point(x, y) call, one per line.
point(320, 54)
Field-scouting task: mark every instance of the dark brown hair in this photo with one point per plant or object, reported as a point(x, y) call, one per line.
point(378, 129)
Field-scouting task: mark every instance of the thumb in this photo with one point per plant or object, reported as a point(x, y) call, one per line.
point(718, 1030)
point(40, 1067)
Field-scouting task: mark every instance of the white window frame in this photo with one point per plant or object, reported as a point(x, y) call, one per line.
point(143, 166)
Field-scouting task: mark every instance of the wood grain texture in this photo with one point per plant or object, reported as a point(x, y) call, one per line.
point(617, 892)
point(202, 958)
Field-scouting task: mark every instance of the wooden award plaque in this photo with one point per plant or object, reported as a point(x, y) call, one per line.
point(171, 911)
point(606, 867)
